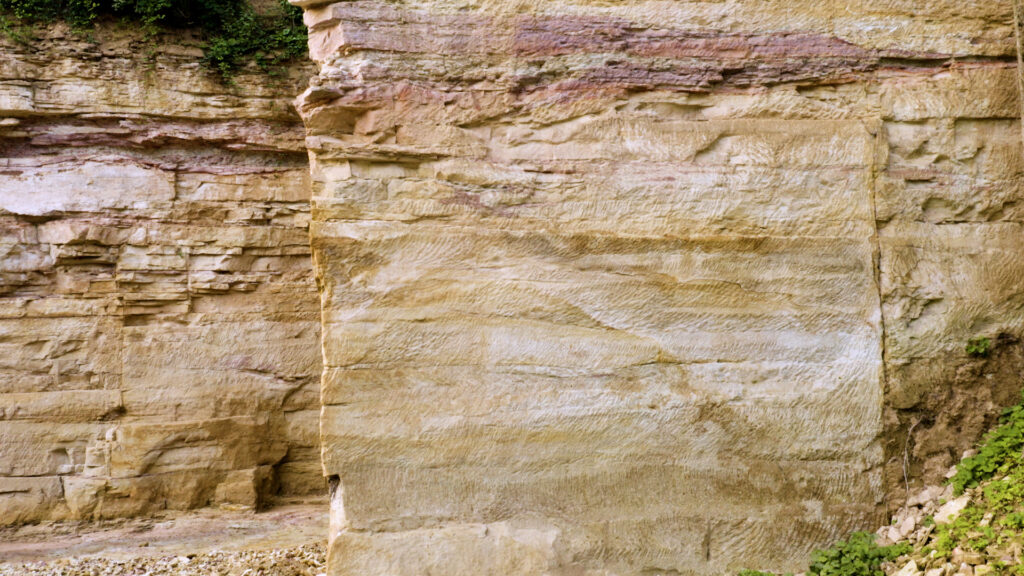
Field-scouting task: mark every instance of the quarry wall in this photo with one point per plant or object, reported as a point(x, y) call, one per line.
point(654, 287)
point(639, 287)
point(159, 324)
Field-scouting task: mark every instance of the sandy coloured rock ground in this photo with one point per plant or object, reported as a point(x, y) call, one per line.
point(286, 540)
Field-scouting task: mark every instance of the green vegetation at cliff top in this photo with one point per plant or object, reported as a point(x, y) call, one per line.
point(235, 33)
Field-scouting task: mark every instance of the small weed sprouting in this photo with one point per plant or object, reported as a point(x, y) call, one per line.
point(979, 347)
point(16, 31)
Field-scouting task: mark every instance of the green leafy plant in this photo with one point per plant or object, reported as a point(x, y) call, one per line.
point(76, 12)
point(235, 33)
point(999, 451)
point(979, 347)
point(857, 556)
point(995, 517)
point(991, 524)
point(15, 31)
point(247, 38)
point(1013, 521)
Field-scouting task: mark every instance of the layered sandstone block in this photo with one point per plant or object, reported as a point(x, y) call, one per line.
point(950, 214)
point(647, 287)
point(159, 324)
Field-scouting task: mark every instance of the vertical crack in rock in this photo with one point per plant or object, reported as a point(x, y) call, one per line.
point(1018, 29)
point(880, 152)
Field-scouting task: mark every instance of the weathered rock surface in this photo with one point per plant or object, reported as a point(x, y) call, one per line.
point(651, 287)
point(158, 316)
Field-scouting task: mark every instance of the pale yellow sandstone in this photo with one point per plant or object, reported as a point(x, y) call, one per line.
point(652, 287)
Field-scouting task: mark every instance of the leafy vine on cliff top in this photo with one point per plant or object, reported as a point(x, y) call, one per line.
point(236, 34)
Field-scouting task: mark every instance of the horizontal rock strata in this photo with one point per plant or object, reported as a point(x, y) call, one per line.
point(158, 316)
point(648, 287)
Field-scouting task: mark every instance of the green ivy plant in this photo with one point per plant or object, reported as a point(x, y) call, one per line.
point(994, 518)
point(857, 556)
point(1000, 451)
point(235, 33)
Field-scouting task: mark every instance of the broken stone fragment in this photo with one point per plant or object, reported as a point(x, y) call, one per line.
point(974, 558)
point(909, 569)
point(925, 496)
point(965, 570)
point(983, 570)
point(907, 526)
point(950, 510)
point(923, 533)
point(882, 536)
point(243, 488)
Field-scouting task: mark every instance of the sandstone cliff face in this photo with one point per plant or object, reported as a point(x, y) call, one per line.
point(651, 287)
point(159, 324)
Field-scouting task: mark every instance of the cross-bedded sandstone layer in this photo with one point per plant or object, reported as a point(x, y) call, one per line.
point(652, 287)
point(159, 324)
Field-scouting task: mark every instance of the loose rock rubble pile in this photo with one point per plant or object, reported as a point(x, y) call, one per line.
point(307, 560)
point(908, 524)
point(961, 536)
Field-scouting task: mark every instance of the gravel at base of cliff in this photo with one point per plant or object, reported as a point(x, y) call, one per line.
point(307, 560)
